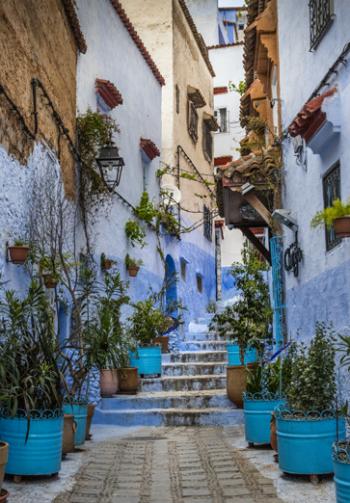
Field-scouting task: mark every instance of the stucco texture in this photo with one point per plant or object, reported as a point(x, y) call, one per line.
point(36, 41)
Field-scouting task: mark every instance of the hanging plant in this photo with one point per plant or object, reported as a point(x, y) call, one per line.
point(135, 233)
point(145, 210)
point(132, 265)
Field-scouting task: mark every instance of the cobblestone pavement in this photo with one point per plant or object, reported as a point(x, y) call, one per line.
point(170, 465)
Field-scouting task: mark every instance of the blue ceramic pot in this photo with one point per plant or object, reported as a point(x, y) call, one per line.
point(257, 418)
point(305, 444)
point(41, 454)
point(80, 416)
point(147, 360)
point(341, 465)
point(250, 355)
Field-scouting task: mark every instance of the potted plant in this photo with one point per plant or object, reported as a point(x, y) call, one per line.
point(264, 392)
point(128, 376)
point(132, 265)
point(146, 323)
point(135, 233)
point(31, 419)
point(247, 322)
point(18, 252)
point(337, 215)
point(106, 263)
point(69, 427)
point(49, 272)
point(341, 448)
point(309, 423)
point(104, 333)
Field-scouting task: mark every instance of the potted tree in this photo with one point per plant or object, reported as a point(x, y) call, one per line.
point(247, 322)
point(337, 215)
point(128, 377)
point(266, 383)
point(31, 419)
point(104, 332)
point(132, 265)
point(146, 323)
point(309, 423)
point(18, 252)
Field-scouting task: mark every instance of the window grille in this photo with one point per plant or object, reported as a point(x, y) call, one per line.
point(192, 121)
point(207, 223)
point(199, 281)
point(321, 17)
point(207, 141)
point(331, 191)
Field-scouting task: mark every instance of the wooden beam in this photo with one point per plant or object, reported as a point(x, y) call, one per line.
point(258, 206)
point(257, 243)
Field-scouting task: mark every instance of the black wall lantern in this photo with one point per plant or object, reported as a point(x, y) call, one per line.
point(110, 165)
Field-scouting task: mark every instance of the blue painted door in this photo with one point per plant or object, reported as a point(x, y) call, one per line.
point(171, 287)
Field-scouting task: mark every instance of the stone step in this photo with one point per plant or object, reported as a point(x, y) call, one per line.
point(202, 345)
point(198, 356)
point(203, 336)
point(168, 400)
point(184, 383)
point(169, 417)
point(193, 368)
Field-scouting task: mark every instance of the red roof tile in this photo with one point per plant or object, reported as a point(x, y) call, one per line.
point(109, 93)
point(73, 20)
point(310, 117)
point(138, 42)
point(149, 148)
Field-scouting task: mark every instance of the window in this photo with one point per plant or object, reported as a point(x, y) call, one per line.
point(207, 141)
point(192, 121)
point(321, 17)
point(207, 223)
point(221, 118)
point(331, 191)
point(177, 99)
point(183, 268)
point(199, 281)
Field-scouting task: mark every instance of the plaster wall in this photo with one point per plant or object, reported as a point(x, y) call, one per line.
point(37, 42)
point(138, 117)
point(321, 292)
point(205, 14)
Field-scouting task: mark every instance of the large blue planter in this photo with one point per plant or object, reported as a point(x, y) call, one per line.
point(147, 360)
point(305, 445)
point(257, 418)
point(41, 454)
point(341, 465)
point(80, 416)
point(250, 355)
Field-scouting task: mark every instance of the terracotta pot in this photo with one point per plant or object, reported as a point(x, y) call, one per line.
point(273, 433)
point(18, 254)
point(342, 227)
point(49, 280)
point(107, 264)
point(133, 271)
point(69, 427)
point(236, 383)
point(90, 413)
point(4, 450)
point(3, 495)
point(108, 382)
point(163, 340)
point(128, 381)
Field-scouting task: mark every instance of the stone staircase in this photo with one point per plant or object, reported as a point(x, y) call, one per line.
point(191, 391)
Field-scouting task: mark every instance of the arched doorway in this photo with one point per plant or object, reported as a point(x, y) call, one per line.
point(170, 287)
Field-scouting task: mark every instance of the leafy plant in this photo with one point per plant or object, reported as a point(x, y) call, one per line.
point(145, 210)
point(132, 263)
point(240, 88)
point(328, 215)
point(20, 242)
point(248, 321)
point(135, 233)
point(147, 321)
point(272, 378)
point(30, 374)
point(211, 307)
point(312, 385)
point(104, 336)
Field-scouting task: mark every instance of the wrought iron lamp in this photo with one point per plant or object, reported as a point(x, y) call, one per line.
point(110, 165)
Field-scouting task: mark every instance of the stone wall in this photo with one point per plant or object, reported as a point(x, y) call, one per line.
point(36, 41)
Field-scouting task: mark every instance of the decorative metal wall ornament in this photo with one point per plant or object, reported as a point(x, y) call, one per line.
point(292, 257)
point(300, 151)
